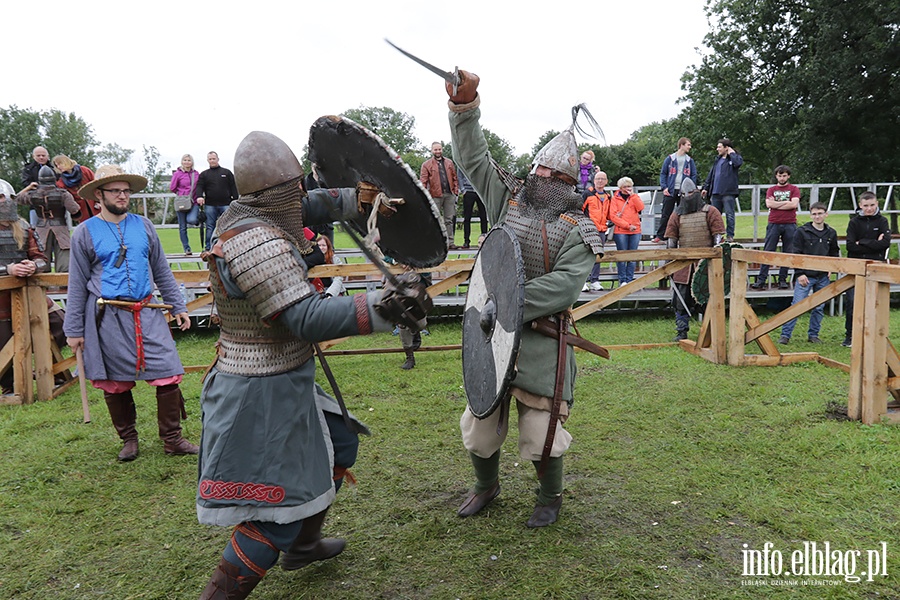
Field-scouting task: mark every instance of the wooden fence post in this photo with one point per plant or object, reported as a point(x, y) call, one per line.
point(40, 341)
point(737, 321)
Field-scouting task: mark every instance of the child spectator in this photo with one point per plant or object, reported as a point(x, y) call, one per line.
point(815, 238)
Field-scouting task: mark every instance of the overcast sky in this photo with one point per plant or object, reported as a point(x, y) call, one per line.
point(189, 77)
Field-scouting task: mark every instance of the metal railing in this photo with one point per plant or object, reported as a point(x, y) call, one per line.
point(811, 193)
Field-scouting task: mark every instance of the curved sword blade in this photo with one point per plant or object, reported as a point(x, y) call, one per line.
point(446, 75)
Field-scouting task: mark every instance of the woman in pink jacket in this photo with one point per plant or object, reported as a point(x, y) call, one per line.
point(184, 183)
point(625, 212)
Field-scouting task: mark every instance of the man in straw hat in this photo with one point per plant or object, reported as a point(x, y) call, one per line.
point(559, 245)
point(116, 259)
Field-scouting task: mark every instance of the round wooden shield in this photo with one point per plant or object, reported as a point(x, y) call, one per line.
point(346, 153)
point(492, 322)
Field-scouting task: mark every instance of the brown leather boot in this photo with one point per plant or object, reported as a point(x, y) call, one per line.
point(410, 361)
point(124, 415)
point(227, 584)
point(169, 411)
point(310, 546)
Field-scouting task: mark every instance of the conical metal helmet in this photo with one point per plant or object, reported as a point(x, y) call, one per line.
point(560, 154)
point(263, 161)
point(46, 176)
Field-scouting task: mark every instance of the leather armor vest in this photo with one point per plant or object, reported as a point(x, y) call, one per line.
point(49, 203)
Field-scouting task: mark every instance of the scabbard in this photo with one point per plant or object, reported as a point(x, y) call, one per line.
point(544, 327)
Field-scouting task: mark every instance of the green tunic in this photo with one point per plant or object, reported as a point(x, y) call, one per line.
point(545, 295)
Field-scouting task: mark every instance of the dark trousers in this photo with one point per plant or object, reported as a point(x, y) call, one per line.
point(669, 204)
point(775, 232)
point(470, 199)
point(682, 312)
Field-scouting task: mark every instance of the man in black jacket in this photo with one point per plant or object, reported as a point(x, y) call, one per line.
point(815, 238)
point(868, 238)
point(215, 191)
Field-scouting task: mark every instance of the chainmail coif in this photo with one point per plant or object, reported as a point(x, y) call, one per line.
point(280, 206)
point(547, 197)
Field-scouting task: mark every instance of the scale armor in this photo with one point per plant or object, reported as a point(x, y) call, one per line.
point(693, 230)
point(10, 252)
point(272, 276)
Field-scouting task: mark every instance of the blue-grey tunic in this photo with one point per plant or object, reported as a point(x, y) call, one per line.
point(266, 454)
point(110, 352)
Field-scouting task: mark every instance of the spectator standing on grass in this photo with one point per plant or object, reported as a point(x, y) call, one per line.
point(782, 200)
point(625, 213)
point(676, 168)
point(722, 183)
point(815, 238)
point(596, 207)
point(39, 158)
point(184, 183)
point(868, 238)
point(438, 175)
point(216, 189)
point(72, 177)
point(470, 200)
point(117, 256)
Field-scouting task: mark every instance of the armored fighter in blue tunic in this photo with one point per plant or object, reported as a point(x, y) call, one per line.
point(274, 448)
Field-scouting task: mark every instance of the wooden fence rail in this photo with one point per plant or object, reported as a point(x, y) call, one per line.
point(874, 372)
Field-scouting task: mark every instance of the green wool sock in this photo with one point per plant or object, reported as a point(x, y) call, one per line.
point(487, 470)
point(551, 482)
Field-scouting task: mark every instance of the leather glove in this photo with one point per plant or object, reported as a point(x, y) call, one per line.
point(466, 90)
point(406, 304)
point(367, 194)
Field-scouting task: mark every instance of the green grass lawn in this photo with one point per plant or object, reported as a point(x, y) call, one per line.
point(676, 464)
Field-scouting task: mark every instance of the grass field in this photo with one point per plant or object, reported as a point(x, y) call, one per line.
point(676, 465)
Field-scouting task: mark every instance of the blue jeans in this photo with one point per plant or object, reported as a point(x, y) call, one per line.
point(189, 217)
point(815, 317)
point(726, 205)
point(595, 270)
point(626, 241)
point(212, 215)
point(774, 232)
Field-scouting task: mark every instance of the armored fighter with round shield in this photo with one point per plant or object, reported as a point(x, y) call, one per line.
point(694, 224)
point(558, 246)
point(51, 204)
point(275, 447)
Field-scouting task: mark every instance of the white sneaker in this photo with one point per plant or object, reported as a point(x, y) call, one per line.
point(596, 286)
point(586, 288)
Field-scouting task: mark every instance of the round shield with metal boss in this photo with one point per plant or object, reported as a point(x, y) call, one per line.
point(411, 230)
point(492, 322)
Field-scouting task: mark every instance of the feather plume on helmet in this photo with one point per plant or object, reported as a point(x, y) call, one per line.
point(560, 154)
